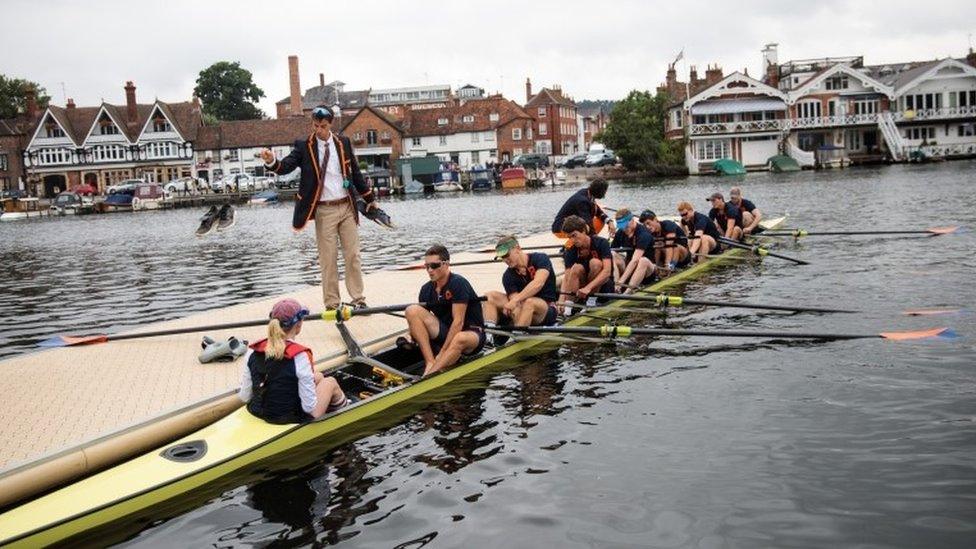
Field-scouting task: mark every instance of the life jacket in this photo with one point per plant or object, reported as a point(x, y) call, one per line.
point(274, 385)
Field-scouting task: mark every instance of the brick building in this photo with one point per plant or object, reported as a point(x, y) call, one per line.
point(377, 136)
point(555, 127)
point(14, 134)
point(594, 120)
point(229, 148)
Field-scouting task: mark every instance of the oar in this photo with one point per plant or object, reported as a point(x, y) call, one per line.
point(759, 250)
point(934, 231)
point(665, 300)
point(416, 267)
point(345, 313)
point(611, 331)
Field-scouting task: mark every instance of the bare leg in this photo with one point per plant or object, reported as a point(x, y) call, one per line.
point(572, 279)
point(492, 307)
point(463, 342)
point(423, 325)
point(531, 312)
point(327, 392)
point(644, 267)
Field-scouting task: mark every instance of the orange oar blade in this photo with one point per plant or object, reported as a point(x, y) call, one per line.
point(943, 230)
point(70, 341)
point(931, 312)
point(920, 334)
point(410, 267)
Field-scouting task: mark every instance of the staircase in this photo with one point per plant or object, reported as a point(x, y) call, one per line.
point(896, 146)
point(804, 158)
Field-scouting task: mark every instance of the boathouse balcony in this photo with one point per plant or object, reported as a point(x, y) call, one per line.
point(832, 121)
point(745, 126)
point(944, 113)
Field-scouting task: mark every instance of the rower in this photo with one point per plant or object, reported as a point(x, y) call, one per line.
point(449, 323)
point(726, 216)
point(703, 235)
point(530, 287)
point(583, 204)
point(587, 262)
point(632, 267)
point(673, 253)
point(751, 215)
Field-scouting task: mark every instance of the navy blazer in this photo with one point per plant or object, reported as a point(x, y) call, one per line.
point(304, 155)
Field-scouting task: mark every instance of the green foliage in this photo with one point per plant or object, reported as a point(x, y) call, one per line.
point(12, 92)
point(636, 132)
point(228, 92)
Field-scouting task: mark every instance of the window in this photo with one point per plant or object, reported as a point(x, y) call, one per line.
point(53, 130)
point(965, 130)
point(808, 109)
point(5, 161)
point(866, 107)
point(160, 124)
point(370, 137)
point(468, 118)
point(416, 141)
point(542, 112)
point(358, 136)
point(517, 134)
point(493, 117)
point(474, 137)
point(53, 156)
point(106, 127)
point(713, 149)
point(385, 135)
point(836, 83)
point(232, 155)
point(489, 136)
point(108, 153)
point(441, 121)
point(676, 118)
point(475, 157)
point(529, 136)
point(967, 98)
point(543, 128)
point(517, 151)
point(443, 140)
point(920, 133)
point(924, 101)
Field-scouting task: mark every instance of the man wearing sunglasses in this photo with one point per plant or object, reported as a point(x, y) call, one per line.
point(530, 287)
point(449, 324)
point(703, 235)
point(330, 181)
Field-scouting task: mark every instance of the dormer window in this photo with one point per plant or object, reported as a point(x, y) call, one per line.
point(160, 125)
point(493, 117)
point(106, 126)
point(441, 121)
point(468, 118)
point(52, 129)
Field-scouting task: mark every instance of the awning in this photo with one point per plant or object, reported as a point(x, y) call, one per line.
point(730, 106)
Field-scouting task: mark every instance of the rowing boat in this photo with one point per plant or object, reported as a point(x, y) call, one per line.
point(241, 440)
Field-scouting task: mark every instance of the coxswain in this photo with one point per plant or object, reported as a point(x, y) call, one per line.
point(672, 251)
point(751, 215)
point(726, 216)
point(633, 252)
point(583, 204)
point(587, 261)
point(703, 235)
point(448, 323)
point(530, 288)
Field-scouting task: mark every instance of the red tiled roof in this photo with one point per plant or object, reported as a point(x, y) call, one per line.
point(252, 133)
point(547, 96)
point(77, 121)
point(418, 122)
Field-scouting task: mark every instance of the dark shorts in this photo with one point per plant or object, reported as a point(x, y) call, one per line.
point(438, 342)
point(684, 262)
point(550, 318)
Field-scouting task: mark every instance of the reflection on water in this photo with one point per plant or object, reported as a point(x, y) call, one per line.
point(664, 443)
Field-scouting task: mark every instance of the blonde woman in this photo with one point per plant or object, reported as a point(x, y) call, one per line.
point(278, 382)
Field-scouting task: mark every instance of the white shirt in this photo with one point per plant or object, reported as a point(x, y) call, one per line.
point(306, 381)
point(332, 189)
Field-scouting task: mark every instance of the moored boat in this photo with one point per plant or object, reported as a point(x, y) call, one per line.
point(241, 440)
point(513, 178)
point(482, 179)
point(148, 196)
point(69, 203)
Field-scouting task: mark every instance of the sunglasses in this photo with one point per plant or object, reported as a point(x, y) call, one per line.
point(320, 113)
point(299, 316)
point(682, 214)
point(433, 266)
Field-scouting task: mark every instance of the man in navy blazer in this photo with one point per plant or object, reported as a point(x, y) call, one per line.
point(330, 181)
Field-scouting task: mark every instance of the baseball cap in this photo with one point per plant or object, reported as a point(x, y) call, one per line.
point(505, 245)
point(288, 312)
point(623, 217)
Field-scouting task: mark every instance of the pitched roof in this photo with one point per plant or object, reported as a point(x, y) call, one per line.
point(382, 115)
point(77, 121)
point(547, 96)
point(899, 74)
point(330, 94)
point(238, 134)
point(425, 121)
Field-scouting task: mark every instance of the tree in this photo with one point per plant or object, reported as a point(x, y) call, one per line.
point(12, 91)
point(228, 92)
point(636, 132)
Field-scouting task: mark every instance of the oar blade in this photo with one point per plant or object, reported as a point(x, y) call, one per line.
point(410, 267)
point(942, 333)
point(72, 341)
point(932, 312)
point(943, 230)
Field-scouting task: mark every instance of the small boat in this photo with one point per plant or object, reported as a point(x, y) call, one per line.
point(413, 187)
point(482, 179)
point(149, 196)
point(121, 200)
point(269, 196)
point(240, 440)
point(782, 163)
point(16, 209)
point(70, 203)
point(559, 177)
point(448, 181)
point(727, 166)
point(513, 178)
point(380, 180)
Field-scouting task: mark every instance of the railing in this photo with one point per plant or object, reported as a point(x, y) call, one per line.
point(934, 114)
point(738, 127)
point(802, 157)
point(827, 121)
point(952, 149)
point(889, 131)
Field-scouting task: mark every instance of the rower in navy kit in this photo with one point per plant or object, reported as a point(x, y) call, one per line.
point(583, 204)
point(673, 251)
point(587, 261)
point(726, 216)
point(751, 215)
point(633, 267)
point(449, 324)
point(530, 287)
point(703, 235)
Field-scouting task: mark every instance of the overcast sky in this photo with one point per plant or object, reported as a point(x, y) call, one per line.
point(593, 49)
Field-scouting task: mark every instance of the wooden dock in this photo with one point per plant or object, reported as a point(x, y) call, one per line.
point(75, 410)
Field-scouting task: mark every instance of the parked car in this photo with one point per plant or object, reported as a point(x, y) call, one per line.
point(127, 185)
point(84, 189)
point(183, 185)
point(574, 161)
point(532, 160)
point(601, 158)
point(13, 193)
point(289, 181)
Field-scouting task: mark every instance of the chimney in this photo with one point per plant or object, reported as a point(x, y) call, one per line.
point(130, 102)
point(322, 79)
point(30, 101)
point(672, 77)
point(528, 90)
point(772, 76)
point(971, 58)
point(196, 102)
point(693, 76)
point(295, 105)
point(713, 75)
point(71, 104)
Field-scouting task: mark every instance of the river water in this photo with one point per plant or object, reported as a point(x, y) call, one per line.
point(659, 443)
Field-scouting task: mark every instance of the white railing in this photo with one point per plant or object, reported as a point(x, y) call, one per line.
point(737, 127)
point(827, 121)
point(802, 157)
point(889, 131)
point(952, 149)
point(934, 114)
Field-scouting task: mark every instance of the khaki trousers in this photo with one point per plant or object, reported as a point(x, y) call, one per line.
point(334, 223)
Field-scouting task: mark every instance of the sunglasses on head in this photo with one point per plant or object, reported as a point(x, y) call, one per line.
point(433, 266)
point(299, 316)
point(320, 113)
